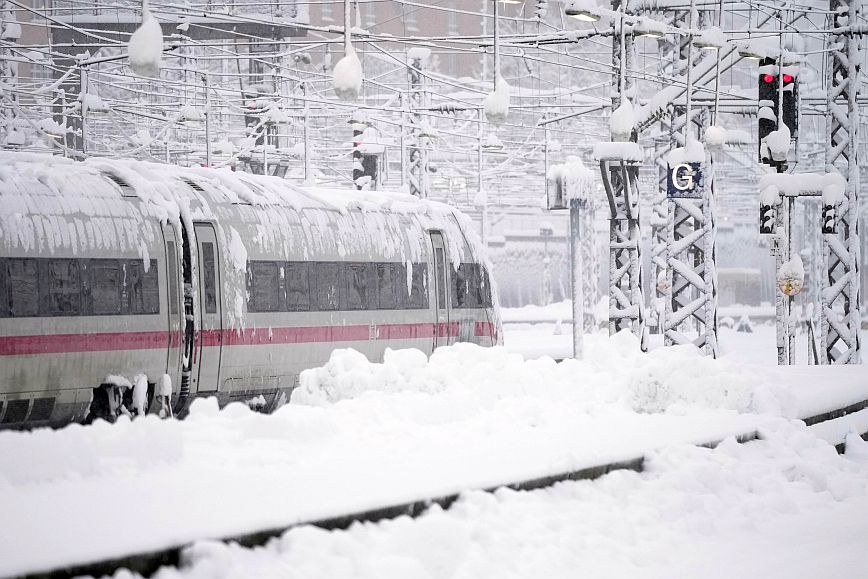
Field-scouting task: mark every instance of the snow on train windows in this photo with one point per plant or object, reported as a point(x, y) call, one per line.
point(143, 288)
point(173, 277)
point(328, 285)
point(470, 287)
point(298, 286)
point(22, 287)
point(265, 286)
point(387, 286)
point(77, 287)
point(103, 279)
point(361, 286)
point(64, 287)
point(210, 277)
point(335, 285)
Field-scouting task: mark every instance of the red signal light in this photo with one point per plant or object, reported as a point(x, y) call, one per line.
point(768, 78)
point(788, 78)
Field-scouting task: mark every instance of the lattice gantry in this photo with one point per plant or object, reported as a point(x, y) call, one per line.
point(626, 301)
point(841, 318)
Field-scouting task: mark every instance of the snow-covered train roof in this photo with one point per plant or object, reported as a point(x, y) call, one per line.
point(49, 203)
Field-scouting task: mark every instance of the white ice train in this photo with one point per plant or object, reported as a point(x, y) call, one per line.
point(231, 284)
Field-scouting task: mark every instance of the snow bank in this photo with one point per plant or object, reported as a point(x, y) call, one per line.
point(616, 372)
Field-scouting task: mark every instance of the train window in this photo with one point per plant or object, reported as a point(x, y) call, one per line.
point(361, 286)
point(419, 287)
point(464, 286)
point(210, 275)
point(105, 277)
point(386, 286)
point(143, 288)
point(298, 286)
point(64, 287)
point(4, 293)
point(265, 286)
point(328, 285)
point(440, 268)
point(484, 287)
point(172, 257)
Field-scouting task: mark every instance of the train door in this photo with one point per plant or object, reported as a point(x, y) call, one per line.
point(441, 283)
point(175, 305)
point(209, 344)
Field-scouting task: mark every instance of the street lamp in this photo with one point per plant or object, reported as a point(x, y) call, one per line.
point(582, 10)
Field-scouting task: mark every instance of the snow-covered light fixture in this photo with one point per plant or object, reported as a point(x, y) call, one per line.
point(348, 70)
point(496, 104)
point(146, 45)
point(648, 28)
point(710, 39)
point(583, 10)
point(348, 76)
point(751, 50)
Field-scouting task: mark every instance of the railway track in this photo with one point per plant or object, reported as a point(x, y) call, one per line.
point(147, 563)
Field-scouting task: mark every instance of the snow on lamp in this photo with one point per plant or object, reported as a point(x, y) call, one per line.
point(348, 76)
point(146, 45)
point(496, 104)
point(584, 10)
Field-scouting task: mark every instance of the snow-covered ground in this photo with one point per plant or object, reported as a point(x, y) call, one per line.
point(360, 435)
point(785, 507)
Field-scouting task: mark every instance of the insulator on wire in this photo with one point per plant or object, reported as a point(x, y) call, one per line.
point(540, 10)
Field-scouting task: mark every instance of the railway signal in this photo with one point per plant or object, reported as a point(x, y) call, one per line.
point(778, 98)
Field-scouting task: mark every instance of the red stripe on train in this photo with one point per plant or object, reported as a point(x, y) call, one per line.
point(115, 341)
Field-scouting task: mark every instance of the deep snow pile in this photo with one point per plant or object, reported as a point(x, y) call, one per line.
point(614, 372)
point(785, 507)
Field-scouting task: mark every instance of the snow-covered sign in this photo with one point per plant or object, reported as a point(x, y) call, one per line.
point(146, 45)
point(348, 76)
point(684, 171)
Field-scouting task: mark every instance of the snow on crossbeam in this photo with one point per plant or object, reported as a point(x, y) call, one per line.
point(831, 186)
point(619, 151)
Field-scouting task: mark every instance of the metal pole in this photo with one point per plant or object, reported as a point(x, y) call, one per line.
point(717, 68)
point(403, 141)
point(82, 91)
point(479, 165)
point(496, 44)
point(207, 121)
point(687, 94)
point(347, 26)
point(306, 134)
point(576, 272)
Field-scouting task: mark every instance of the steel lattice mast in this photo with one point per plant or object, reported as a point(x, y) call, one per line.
point(841, 317)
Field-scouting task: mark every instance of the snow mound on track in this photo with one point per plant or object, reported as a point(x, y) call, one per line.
point(614, 371)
